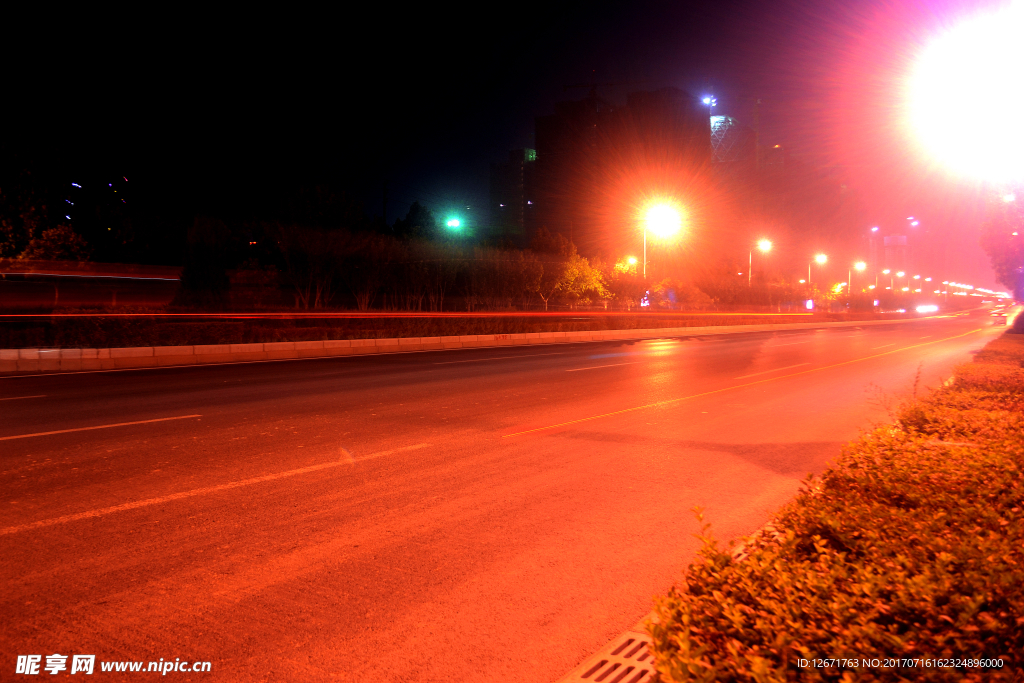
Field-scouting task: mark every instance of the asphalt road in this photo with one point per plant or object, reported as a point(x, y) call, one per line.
point(474, 515)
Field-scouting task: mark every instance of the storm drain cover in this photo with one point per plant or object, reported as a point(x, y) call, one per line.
point(624, 660)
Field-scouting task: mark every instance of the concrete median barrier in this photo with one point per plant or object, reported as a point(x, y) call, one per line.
point(17, 361)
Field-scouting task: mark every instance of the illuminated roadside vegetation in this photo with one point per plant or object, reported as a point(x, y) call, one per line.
point(910, 546)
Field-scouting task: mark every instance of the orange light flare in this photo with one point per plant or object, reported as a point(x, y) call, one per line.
point(663, 219)
point(965, 86)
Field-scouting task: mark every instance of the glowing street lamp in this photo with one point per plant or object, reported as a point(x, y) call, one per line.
point(764, 245)
point(453, 223)
point(820, 259)
point(664, 221)
point(981, 56)
point(859, 266)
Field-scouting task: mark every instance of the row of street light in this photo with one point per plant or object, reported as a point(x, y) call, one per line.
point(664, 220)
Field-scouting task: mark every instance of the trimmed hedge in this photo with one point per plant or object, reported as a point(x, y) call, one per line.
point(910, 547)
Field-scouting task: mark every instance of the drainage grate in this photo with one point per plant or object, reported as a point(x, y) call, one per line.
point(624, 660)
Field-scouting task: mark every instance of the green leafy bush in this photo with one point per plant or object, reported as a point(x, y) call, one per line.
point(910, 547)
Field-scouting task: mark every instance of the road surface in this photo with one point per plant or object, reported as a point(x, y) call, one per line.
point(471, 515)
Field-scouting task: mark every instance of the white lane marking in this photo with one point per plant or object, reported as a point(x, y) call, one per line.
point(380, 454)
point(479, 360)
point(882, 346)
point(199, 492)
point(788, 367)
point(793, 343)
point(85, 429)
point(595, 367)
point(16, 398)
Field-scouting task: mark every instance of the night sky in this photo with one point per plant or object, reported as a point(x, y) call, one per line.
point(220, 113)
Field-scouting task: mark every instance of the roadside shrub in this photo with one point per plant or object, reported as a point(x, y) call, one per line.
point(910, 546)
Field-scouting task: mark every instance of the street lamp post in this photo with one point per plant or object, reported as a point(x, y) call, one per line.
point(859, 266)
point(662, 219)
point(820, 259)
point(765, 246)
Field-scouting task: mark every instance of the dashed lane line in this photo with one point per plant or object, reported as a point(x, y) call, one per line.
point(673, 401)
point(481, 360)
point(788, 367)
point(86, 429)
point(793, 343)
point(348, 459)
point(597, 367)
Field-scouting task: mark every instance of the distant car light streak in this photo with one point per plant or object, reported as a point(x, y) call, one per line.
point(927, 308)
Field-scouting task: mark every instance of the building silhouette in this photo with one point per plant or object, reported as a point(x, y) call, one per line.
point(511, 202)
point(595, 163)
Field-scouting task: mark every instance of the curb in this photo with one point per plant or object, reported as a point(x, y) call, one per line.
point(17, 361)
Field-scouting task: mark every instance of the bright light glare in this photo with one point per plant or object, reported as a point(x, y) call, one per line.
point(961, 80)
point(663, 220)
point(821, 258)
point(860, 265)
point(765, 245)
point(631, 260)
point(900, 274)
point(927, 308)
point(886, 271)
point(454, 223)
point(1009, 197)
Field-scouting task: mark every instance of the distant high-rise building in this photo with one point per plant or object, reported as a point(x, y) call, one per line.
point(511, 203)
point(730, 142)
point(896, 252)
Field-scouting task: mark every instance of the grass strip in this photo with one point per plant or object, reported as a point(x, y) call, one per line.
point(904, 561)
